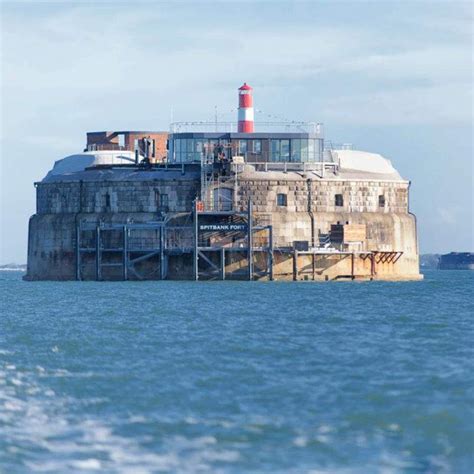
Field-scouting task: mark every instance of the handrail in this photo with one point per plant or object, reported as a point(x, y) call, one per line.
point(105, 146)
point(315, 128)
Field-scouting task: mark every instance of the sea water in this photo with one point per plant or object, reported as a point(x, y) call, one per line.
point(234, 377)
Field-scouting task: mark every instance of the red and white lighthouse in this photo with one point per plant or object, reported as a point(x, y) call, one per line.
point(245, 113)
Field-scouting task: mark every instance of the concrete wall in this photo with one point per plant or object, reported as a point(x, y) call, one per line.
point(52, 246)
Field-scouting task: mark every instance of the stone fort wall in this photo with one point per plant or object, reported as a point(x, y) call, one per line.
point(144, 196)
point(310, 210)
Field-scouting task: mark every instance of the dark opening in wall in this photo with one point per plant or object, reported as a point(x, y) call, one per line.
point(381, 200)
point(163, 203)
point(339, 200)
point(107, 202)
point(282, 200)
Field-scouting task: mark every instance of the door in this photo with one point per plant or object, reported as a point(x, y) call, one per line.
point(223, 199)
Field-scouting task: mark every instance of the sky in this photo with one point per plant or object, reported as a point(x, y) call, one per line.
point(392, 77)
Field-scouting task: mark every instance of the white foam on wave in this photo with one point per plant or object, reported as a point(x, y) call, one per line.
point(300, 441)
point(93, 445)
point(45, 425)
point(89, 464)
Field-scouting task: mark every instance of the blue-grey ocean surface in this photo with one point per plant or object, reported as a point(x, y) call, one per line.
point(237, 376)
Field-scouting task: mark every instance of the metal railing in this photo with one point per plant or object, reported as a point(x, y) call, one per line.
point(105, 146)
point(263, 158)
point(218, 203)
point(313, 128)
point(333, 146)
point(318, 167)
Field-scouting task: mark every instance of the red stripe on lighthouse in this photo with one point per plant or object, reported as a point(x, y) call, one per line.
point(245, 126)
point(245, 100)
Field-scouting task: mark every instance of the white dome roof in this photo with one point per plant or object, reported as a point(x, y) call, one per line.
point(81, 161)
point(364, 162)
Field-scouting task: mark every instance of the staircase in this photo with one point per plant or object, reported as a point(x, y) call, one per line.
point(324, 240)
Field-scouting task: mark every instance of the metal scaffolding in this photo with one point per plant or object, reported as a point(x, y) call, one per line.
point(203, 251)
point(125, 249)
point(125, 246)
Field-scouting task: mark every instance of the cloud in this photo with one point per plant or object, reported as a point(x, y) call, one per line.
point(441, 105)
point(103, 54)
point(447, 216)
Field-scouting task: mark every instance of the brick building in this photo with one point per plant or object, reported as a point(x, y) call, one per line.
point(129, 140)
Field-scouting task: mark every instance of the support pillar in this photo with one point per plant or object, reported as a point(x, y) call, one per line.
point(270, 253)
point(250, 241)
point(78, 253)
point(125, 252)
point(162, 254)
point(222, 263)
point(352, 266)
point(195, 250)
point(97, 253)
point(295, 265)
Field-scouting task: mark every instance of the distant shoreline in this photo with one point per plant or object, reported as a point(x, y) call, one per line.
point(13, 267)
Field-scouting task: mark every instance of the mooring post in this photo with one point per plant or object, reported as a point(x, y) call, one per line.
point(125, 252)
point(97, 253)
point(352, 265)
point(250, 240)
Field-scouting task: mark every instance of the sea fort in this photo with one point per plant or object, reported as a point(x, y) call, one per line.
point(202, 201)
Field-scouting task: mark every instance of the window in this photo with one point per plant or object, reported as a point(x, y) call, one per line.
point(304, 150)
point(311, 152)
point(381, 200)
point(285, 150)
point(275, 150)
point(295, 150)
point(280, 150)
point(163, 202)
point(121, 140)
point(339, 200)
point(257, 146)
point(242, 147)
point(282, 200)
point(107, 202)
